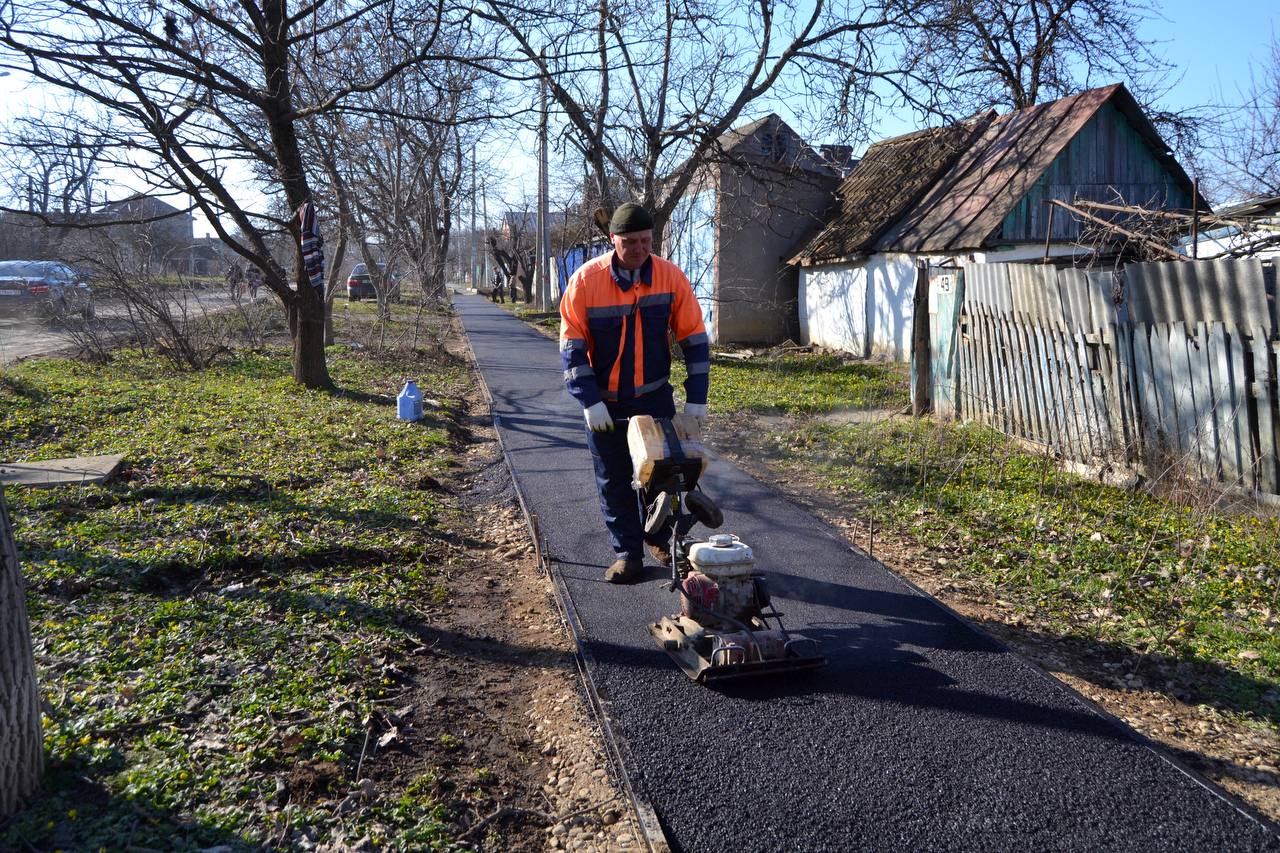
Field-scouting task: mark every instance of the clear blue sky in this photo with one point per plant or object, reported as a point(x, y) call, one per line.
point(1210, 46)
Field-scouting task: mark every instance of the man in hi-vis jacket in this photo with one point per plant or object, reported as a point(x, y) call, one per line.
point(614, 320)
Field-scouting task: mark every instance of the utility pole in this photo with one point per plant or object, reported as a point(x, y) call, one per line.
point(544, 241)
point(484, 243)
point(471, 274)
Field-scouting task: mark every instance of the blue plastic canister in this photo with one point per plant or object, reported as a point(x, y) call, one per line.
point(409, 402)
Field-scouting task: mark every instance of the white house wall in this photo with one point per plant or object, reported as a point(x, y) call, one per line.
point(863, 308)
point(833, 308)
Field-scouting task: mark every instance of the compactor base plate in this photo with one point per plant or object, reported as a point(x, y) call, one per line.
point(693, 655)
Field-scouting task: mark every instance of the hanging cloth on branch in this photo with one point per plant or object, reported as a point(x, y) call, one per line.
point(312, 245)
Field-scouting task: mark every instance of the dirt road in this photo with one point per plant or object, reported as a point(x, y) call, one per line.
point(24, 336)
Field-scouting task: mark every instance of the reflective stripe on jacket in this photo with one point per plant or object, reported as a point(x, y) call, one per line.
point(613, 332)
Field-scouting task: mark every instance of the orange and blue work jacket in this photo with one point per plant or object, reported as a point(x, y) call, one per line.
point(613, 332)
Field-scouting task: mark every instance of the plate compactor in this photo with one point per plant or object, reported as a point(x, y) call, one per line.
point(727, 626)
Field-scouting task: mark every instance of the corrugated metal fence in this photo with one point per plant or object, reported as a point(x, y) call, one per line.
point(1162, 364)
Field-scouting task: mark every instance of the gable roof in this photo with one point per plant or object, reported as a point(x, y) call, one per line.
point(890, 179)
point(142, 204)
point(775, 141)
point(964, 203)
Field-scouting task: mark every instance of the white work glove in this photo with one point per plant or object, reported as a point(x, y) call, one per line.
point(698, 411)
point(598, 418)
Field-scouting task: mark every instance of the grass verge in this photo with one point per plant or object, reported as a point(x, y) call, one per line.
point(215, 628)
point(779, 383)
point(802, 384)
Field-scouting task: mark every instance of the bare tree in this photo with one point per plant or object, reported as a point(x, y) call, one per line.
point(1249, 146)
point(51, 164)
point(21, 744)
point(198, 98)
point(962, 57)
point(649, 90)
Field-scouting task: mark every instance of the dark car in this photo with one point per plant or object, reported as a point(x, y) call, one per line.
point(360, 284)
point(47, 287)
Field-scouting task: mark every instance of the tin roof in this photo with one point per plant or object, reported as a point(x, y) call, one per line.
point(960, 204)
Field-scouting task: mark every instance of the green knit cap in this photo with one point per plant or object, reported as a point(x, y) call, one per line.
point(630, 217)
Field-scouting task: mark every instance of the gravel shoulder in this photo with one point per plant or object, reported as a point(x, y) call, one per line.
point(569, 798)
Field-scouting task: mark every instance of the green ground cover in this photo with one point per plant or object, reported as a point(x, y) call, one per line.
point(224, 614)
point(802, 384)
point(1184, 580)
point(534, 316)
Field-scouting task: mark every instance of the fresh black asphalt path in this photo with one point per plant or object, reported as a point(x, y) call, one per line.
point(921, 734)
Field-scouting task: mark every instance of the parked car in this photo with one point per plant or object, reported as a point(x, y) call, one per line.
point(48, 287)
point(360, 284)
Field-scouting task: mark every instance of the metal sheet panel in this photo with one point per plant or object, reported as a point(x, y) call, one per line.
point(1103, 295)
point(1034, 291)
point(1221, 291)
point(988, 285)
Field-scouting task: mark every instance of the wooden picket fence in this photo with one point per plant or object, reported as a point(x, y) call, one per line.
point(1099, 386)
point(1042, 382)
point(1206, 395)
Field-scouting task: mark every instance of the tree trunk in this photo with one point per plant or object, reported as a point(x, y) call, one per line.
point(332, 281)
point(21, 737)
point(306, 315)
point(309, 366)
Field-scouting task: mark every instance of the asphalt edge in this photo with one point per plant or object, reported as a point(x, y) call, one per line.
point(646, 817)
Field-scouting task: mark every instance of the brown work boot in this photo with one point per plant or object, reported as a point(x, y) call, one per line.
point(624, 570)
point(660, 552)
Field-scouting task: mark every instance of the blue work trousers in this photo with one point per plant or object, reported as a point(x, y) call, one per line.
point(621, 506)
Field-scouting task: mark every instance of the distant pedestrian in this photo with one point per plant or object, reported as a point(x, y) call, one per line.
point(234, 278)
